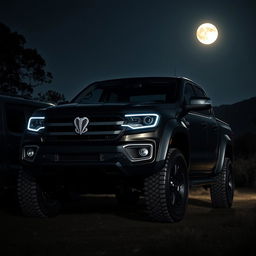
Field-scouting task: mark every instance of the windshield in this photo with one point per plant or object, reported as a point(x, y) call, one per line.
point(120, 92)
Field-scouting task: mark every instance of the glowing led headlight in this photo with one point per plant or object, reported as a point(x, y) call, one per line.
point(140, 121)
point(36, 123)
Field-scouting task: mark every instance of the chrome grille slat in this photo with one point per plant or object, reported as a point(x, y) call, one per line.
point(87, 133)
point(91, 123)
point(100, 127)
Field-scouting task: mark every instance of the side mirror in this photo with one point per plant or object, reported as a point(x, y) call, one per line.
point(198, 103)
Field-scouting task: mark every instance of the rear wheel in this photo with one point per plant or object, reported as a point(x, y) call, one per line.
point(166, 192)
point(34, 200)
point(222, 191)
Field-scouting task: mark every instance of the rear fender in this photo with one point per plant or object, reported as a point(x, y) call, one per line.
point(224, 150)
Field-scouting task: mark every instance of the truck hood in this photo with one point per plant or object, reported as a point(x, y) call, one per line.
point(76, 109)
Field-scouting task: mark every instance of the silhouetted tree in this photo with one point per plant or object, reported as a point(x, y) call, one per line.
point(51, 96)
point(21, 69)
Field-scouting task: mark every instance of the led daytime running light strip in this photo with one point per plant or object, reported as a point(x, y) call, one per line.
point(145, 126)
point(35, 118)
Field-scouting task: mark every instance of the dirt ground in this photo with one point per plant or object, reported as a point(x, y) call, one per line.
point(97, 225)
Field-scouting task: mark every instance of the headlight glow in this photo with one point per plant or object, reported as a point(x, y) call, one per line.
point(141, 121)
point(36, 123)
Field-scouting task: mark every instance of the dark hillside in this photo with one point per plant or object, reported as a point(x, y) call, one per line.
point(241, 116)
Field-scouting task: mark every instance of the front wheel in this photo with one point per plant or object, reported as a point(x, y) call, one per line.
point(166, 192)
point(222, 191)
point(34, 200)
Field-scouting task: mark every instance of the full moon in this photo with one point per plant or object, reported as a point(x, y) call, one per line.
point(207, 33)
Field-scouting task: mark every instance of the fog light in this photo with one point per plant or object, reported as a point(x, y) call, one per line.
point(138, 152)
point(143, 152)
point(30, 152)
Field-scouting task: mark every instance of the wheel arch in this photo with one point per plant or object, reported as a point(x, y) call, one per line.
point(180, 141)
point(225, 150)
point(177, 137)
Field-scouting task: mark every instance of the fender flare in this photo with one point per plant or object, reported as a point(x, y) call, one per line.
point(171, 128)
point(224, 143)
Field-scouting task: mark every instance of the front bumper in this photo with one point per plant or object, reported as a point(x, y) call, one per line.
point(121, 159)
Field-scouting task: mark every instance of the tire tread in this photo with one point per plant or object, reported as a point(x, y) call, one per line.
point(28, 195)
point(218, 190)
point(155, 192)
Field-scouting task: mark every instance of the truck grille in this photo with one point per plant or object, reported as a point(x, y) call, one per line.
point(99, 128)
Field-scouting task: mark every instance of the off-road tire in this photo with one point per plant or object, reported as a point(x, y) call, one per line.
point(222, 191)
point(31, 198)
point(166, 191)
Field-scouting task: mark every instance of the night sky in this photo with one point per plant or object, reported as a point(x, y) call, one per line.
point(85, 41)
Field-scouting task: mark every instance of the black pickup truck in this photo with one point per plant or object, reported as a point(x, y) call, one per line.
point(153, 137)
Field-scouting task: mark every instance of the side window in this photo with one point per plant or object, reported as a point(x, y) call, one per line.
point(188, 93)
point(200, 93)
point(15, 118)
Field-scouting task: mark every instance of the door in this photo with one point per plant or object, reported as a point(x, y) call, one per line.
point(213, 139)
point(197, 126)
point(212, 129)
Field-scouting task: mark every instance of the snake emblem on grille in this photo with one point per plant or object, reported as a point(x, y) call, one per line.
point(81, 124)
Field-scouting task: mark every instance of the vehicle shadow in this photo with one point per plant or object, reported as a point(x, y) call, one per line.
point(105, 205)
point(9, 203)
point(198, 202)
point(109, 205)
point(100, 204)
